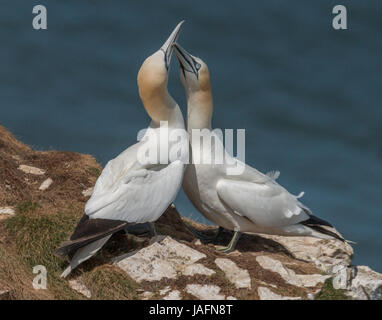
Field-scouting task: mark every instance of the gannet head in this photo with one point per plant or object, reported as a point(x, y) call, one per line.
point(153, 74)
point(195, 77)
point(194, 71)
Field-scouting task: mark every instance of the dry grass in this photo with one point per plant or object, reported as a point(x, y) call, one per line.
point(43, 218)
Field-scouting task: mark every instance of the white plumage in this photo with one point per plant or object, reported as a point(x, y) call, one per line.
point(248, 202)
point(131, 188)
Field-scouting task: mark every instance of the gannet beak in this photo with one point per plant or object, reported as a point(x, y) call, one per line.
point(167, 46)
point(186, 61)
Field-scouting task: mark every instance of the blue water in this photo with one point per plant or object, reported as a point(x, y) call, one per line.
point(308, 96)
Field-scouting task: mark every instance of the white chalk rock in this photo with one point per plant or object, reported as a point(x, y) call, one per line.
point(366, 284)
point(173, 295)
point(165, 259)
point(7, 211)
point(325, 254)
point(76, 285)
point(299, 280)
point(205, 292)
point(88, 192)
point(267, 294)
point(31, 170)
point(146, 295)
point(46, 184)
point(5, 295)
point(164, 290)
point(198, 242)
point(197, 268)
point(341, 277)
point(238, 276)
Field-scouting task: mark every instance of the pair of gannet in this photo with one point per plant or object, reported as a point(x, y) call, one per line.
point(251, 202)
point(131, 190)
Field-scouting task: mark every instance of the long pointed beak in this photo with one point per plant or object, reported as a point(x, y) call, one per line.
point(167, 46)
point(186, 60)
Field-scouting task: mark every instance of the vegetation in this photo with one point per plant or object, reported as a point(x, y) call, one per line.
point(329, 293)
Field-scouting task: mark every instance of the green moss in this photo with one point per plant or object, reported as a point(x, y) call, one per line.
point(94, 171)
point(27, 206)
point(329, 293)
point(37, 236)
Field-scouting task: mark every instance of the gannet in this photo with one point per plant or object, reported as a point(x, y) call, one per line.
point(250, 202)
point(131, 188)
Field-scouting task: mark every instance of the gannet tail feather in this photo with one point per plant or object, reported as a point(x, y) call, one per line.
point(87, 231)
point(84, 253)
point(66, 272)
point(87, 239)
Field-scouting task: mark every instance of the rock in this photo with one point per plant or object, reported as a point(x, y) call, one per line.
point(7, 211)
point(5, 295)
point(310, 296)
point(164, 290)
point(80, 288)
point(198, 242)
point(299, 280)
point(159, 260)
point(205, 292)
point(46, 184)
point(267, 294)
point(197, 268)
point(325, 254)
point(342, 275)
point(366, 284)
point(31, 170)
point(173, 295)
point(88, 192)
point(239, 277)
point(146, 295)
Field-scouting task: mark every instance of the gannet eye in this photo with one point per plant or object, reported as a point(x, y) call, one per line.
point(198, 66)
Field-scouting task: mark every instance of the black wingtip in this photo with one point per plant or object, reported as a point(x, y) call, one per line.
point(327, 232)
point(87, 231)
point(313, 220)
point(317, 224)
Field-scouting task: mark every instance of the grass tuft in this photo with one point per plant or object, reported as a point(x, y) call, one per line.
point(95, 172)
point(37, 235)
point(329, 293)
point(110, 283)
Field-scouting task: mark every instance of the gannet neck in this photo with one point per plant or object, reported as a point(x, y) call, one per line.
point(162, 107)
point(199, 110)
point(152, 83)
point(195, 78)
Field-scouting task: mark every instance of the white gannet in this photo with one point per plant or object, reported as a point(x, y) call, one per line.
point(251, 202)
point(130, 189)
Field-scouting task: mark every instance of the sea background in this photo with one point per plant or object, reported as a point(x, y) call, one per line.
point(308, 96)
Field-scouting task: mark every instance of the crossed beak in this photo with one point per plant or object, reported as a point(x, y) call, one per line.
point(186, 60)
point(167, 47)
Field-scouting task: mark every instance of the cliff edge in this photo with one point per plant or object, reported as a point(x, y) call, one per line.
point(42, 197)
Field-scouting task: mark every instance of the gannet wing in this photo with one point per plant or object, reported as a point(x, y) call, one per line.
point(139, 196)
point(114, 170)
point(265, 204)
